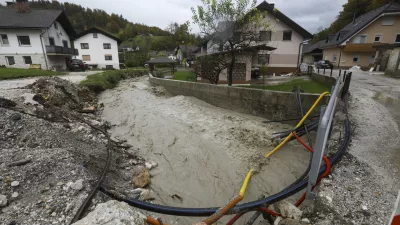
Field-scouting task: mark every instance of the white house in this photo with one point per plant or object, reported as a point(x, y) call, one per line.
point(35, 36)
point(279, 47)
point(98, 49)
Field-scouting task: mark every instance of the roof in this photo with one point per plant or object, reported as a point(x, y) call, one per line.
point(160, 60)
point(352, 28)
point(10, 18)
point(309, 48)
point(284, 19)
point(97, 30)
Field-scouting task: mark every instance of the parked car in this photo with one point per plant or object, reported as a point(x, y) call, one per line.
point(76, 64)
point(324, 64)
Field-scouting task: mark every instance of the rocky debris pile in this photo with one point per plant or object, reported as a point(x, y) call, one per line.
point(58, 92)
point(113, 213)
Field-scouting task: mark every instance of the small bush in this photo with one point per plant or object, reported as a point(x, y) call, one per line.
point(109, 79)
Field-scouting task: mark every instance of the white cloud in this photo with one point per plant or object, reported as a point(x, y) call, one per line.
point(310, 14)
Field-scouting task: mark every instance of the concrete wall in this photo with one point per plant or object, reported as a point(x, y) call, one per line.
point(262, 103)
point(394, 64)
point(323, 79)
point(96, 50)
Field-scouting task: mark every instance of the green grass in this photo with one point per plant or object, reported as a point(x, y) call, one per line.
point(109, 79)
point(308, 86)
point(185, 76)
point(13, 73)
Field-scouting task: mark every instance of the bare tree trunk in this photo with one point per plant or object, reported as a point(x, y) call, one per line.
point(230, 69)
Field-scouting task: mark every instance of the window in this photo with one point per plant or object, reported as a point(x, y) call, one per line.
point(27, 59)
point(263, 59)
point(84, 45)
point(287, 35)
point(356, 58)
point(388, 21)
point(334, 58)
point(397, 38)
point(24, 40)
point(65, 44)
point(265, 35)
point(4, 39)
point(51, 41)
point(86, 57)
point(377, 38)
point(55, 25)
point(10, 60)
point(94, 35)
point(107, 46)
point(109, 67)
point(363, 38)
point(108, 57)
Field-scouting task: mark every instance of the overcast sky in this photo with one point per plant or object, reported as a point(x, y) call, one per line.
point(310, 14)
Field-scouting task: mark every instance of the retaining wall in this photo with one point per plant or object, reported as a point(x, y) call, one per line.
point(324, 79)
point(262, 103)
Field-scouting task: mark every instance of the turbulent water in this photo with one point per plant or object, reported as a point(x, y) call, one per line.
point(203, 152)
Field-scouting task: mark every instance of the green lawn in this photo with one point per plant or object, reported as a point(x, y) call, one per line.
point(12, 73)
point(308, 86)
point(185, 76)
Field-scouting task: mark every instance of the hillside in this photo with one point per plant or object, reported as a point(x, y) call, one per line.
point(156, 43)
point(352, 8)
point(81, 17)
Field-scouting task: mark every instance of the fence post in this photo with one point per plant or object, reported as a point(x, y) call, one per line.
point(331, 71)
point(340, 72)
point(318, 70)
point(324, 71)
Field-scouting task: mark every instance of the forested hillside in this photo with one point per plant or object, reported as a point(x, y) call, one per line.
point(114, 23)
point(353, 7)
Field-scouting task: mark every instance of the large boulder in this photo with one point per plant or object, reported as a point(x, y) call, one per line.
point(113, 213)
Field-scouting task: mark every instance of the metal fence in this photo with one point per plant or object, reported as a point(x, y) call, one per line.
point(324, 129)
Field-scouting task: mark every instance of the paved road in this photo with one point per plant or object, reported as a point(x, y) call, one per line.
point(74, 77)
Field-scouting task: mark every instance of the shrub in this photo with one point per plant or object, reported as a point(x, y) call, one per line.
point(109, 79)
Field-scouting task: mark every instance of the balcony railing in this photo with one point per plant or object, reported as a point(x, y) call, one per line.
point(60, 50)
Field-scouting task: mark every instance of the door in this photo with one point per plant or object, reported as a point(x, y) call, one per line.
point(65, 44)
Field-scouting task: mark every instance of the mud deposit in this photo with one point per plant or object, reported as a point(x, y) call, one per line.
point(203, 152)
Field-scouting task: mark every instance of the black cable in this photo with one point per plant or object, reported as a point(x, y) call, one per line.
point(86, 203)
point(287, 192)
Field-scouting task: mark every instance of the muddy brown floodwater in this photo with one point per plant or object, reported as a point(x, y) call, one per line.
point(203, 152)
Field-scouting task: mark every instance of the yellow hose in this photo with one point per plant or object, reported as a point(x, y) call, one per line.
point(298, 125)
point(222, 211)
point(245, 183)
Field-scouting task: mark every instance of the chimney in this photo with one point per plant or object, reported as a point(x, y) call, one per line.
point(354, 18)
point(272, 4)
point(23, 6)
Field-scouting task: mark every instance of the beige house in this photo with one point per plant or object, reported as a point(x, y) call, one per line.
point(283, 40)
point(358, 42)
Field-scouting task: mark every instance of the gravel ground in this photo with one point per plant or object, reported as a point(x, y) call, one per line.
point(364, 186)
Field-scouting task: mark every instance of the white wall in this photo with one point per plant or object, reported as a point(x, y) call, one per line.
point(14, 48)
point(55, 33)
point(96, 51)
point(286, 52)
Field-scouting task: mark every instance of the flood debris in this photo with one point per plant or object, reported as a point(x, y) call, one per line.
point(141, 177)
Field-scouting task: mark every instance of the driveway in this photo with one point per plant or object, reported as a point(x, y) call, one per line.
point(74, 77)
point(372, 179)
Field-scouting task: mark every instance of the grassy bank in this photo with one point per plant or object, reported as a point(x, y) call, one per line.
point(185, 76)
point(308, 86)
point(109, 79)
point(14, 73)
